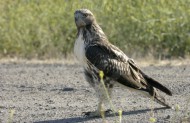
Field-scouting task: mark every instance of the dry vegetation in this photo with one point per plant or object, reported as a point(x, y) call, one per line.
point(46, 29)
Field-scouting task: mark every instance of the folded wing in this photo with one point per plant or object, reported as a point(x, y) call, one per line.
point(116, 65)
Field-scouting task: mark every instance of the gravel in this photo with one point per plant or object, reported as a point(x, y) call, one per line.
point(58, 93)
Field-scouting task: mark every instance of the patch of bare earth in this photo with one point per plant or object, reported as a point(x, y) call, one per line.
point(56, 92)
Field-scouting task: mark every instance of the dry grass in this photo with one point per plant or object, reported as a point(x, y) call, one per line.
point(46, 28)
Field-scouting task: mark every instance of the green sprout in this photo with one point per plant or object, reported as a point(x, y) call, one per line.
point(152, 119)
point(120, 115)
point(101, 74)
point(177, 107)
point(12, 111)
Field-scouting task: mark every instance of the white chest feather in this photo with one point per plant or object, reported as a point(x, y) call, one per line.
point(79, 49)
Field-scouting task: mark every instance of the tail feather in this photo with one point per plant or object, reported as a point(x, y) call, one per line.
point(157, 85)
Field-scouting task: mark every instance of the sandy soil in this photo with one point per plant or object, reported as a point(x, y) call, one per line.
point(58, 93)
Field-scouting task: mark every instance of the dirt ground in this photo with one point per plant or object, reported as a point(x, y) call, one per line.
point(58, 93)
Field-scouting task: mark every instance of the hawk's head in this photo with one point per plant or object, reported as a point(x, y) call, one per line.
point(83, 17)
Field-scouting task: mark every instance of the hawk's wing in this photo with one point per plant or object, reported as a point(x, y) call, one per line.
point(115, 64)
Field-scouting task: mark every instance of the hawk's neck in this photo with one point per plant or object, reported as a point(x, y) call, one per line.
point(92, 33)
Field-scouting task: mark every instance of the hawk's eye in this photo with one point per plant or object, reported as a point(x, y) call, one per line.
point(85, 15)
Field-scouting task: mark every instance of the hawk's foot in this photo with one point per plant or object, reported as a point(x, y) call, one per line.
point(91, 114)
point(97, 113)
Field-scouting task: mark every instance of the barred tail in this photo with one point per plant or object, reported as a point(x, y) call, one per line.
point(156, 84)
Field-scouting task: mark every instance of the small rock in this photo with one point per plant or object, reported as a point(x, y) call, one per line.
point(53, 108)
point(168, 117)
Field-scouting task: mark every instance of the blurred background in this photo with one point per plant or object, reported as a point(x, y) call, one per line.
point(45, 29)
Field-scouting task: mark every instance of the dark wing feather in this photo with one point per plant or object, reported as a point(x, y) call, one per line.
point(114, 66)
point(120, 68)
point(150, 80)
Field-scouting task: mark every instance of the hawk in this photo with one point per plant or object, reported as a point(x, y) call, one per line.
point(96, 53)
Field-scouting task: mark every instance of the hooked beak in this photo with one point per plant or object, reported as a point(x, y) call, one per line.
point(79, 22)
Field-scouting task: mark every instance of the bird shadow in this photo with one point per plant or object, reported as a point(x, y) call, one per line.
point(83, 119)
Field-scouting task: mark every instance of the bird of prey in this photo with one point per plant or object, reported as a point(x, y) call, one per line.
point(96, 53)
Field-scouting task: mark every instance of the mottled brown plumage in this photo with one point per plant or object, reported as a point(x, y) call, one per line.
point(96, 53)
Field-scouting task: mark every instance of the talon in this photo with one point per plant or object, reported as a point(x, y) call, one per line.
point(86, 114)
point(96, 113)
point(91, 114)
point(109, 111)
